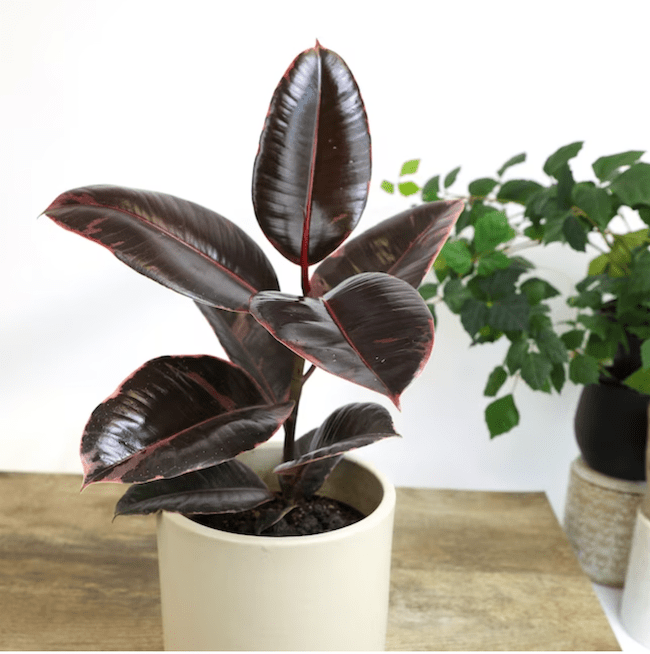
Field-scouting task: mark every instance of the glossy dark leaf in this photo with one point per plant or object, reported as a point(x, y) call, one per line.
point(318, 452)
point(312, 171)
point(226, 488)
point(373, 329)
point(175, 415)
point(404, 246)
point(177, 243)
point(252, 348)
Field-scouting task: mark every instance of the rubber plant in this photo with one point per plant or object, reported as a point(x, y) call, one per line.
point(174, 427)
point(498, 294)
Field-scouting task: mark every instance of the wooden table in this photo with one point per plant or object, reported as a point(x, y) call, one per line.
point(471, 571)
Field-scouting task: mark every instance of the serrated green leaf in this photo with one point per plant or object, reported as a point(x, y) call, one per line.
point(639, 380)
point(596, 323)
point(575, 233)
point(410, 167)
point(491, 261)
point(606, 167)
point(473, 315)
point(560, 157)
point(408, 188)
point(645, 354)
point(457, 256)
point(427, 291)
point(644, 214)
point(536, 290)
point(552, 346)
point(535, 370)
point(518, 190)
point(455, 294)
point(583, 369)
point(600, 349)
point(595, 202)
point(633, 185)
point(495, 381)
point(516, 354)
point(509, 313)
point(481, 187)
point(558, 377)
point(573, 338)
point(389, 187)
point(431, 189)
point(450, 178)
point(501, 415)
point(517, 159)
point(492, 229)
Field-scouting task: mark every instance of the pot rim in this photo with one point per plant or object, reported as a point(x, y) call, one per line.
point(385, 507)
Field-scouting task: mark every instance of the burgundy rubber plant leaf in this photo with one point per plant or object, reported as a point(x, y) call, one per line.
point(405, 246)
point(372, 329)
point(175, 415)
point(312, 171)
point(318, 452)
point(251, 347)
point(226, 488)
point(177, 243)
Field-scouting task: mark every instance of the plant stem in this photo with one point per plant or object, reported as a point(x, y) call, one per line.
point(297, 381)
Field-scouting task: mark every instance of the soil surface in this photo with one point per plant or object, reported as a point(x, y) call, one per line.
point(315, 516)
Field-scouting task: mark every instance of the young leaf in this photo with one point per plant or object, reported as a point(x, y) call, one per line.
point(372, 329)
point(450, 178)
point(633, 186)
point(312, 170)
point(495, 381)
point(408, 188)
point(517, 159)
point(410, 167)
point(389, 187)
point(560, 157)
point(177, 243)
point(583, 369)
point(501, 415)
point(606, 167)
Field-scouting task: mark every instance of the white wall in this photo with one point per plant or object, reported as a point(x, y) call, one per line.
point(171, 96)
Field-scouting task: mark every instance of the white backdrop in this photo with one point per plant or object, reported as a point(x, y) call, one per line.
point(171, 96)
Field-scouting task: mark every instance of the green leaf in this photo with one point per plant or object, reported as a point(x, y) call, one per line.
point(389, 187)
point(509, 313)
point(536, 290)
point(560, 157)
point(473, 316)
point(575, 233)
point(583, 369)
point(455, 294)
point(535, 370)
point(639, 380)
point(596, 323)
point(644, 214)
point(518, 190)
point(427, 291)
point(430, 190)
point(482, 187)
point(645, 354)
point(492, 261)
point(558, 377)
point(451, 177)
point(633, 186)
point(492, 229)
point(501, 415)
point(495, 381)
point(500, 283)
point(595, 202)
point(457, 256)
point(552, 346)
point(600, 349)
point(517, 159)
point(410, 167)
point(408, 188)
point(516, 354)
point(573, 339)
point(606, 167)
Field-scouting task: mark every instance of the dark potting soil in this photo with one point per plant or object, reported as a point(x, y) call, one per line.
point(315, 516)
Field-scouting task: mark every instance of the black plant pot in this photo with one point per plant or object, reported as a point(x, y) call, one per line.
point(611, 426)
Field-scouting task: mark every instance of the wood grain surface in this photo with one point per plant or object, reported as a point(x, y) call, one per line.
point(471, 571)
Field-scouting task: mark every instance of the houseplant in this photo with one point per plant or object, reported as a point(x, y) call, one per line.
point(175, 427)
point(498, 294)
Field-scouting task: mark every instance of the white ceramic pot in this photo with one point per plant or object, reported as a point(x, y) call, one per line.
point(224, 591)
point(635, 605)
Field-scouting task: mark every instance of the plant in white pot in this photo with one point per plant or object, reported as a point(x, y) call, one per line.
point(175, 429)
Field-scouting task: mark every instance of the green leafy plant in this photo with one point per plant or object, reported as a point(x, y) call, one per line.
point(498, 294)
